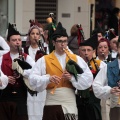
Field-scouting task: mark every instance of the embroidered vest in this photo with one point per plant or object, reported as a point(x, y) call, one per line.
point(113, 73)
point(53, 67)
point(7, 65)
point(20, 98)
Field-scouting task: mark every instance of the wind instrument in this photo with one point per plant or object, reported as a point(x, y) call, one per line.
point(16, 75)
point(88, 62)
point(20, 53)
point(51, 20)
point(104, 58)
point(19, 65)
point(119, 100)
point(41, 52)
point(53, 90)
point(70, 63)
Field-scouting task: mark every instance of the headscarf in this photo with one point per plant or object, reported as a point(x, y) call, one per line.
point(28, 35)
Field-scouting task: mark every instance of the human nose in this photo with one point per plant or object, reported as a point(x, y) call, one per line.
point(17, 41)
point(102, 49)
point(86, 52)
point(35, 35)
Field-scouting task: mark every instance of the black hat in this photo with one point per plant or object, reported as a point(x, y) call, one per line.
point(116, 10)
point(92, 41)
point(111, 34)
point(59, 32)
point(11, 31)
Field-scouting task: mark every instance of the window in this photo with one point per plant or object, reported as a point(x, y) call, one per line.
point(43, 8)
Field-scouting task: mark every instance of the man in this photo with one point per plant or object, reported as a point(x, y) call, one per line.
point(3, 80)
point(4, 47)
point(13, 98)
point(106, 85)
point(89, 108)
point(50, 73)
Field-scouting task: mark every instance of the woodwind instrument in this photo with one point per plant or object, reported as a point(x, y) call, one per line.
point(20, 53)
point(41, 52)
point(22, 66)
point(119, 100)
point(94, 72)
point(51, 20)
point(96, 65)
point(53, 90)
point(39, 45)
point(70, 63)
point(16, 75)
point(88, 62)
point(104, 58)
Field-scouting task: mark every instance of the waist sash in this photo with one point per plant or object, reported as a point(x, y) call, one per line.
point(64, 97)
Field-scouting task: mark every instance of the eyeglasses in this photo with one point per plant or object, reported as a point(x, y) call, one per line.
point(61, 41)
point(88, 50)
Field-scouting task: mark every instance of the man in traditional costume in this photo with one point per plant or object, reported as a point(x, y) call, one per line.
point(50, 73)
point(106, 85)
point(89, 108)
point(13, 99)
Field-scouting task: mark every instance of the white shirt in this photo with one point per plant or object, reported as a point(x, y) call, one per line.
point(39, 79)
point(102, 64)
point(101, 88)
point(100, 84)
point(114, 54)
point(32, 52)
point(3, 80)
point(4, 45)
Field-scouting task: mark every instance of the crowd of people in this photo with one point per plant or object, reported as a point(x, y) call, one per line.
point(59, 77)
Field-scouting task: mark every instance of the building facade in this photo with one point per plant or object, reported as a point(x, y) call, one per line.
point(69, 12)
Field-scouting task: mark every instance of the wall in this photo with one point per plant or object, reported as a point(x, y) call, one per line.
point(117, 3)
point(24, 11)
point(3, 17)
point(76, 17)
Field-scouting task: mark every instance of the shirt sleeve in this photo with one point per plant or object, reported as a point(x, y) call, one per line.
point(85, 79)
point(4, 45)
point(100, 84)
point(38, 78)
point(1, 61)
point(3, 80)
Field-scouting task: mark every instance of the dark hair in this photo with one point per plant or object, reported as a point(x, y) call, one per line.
point(96, 31)
point(74, 30)
point(116, 10)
